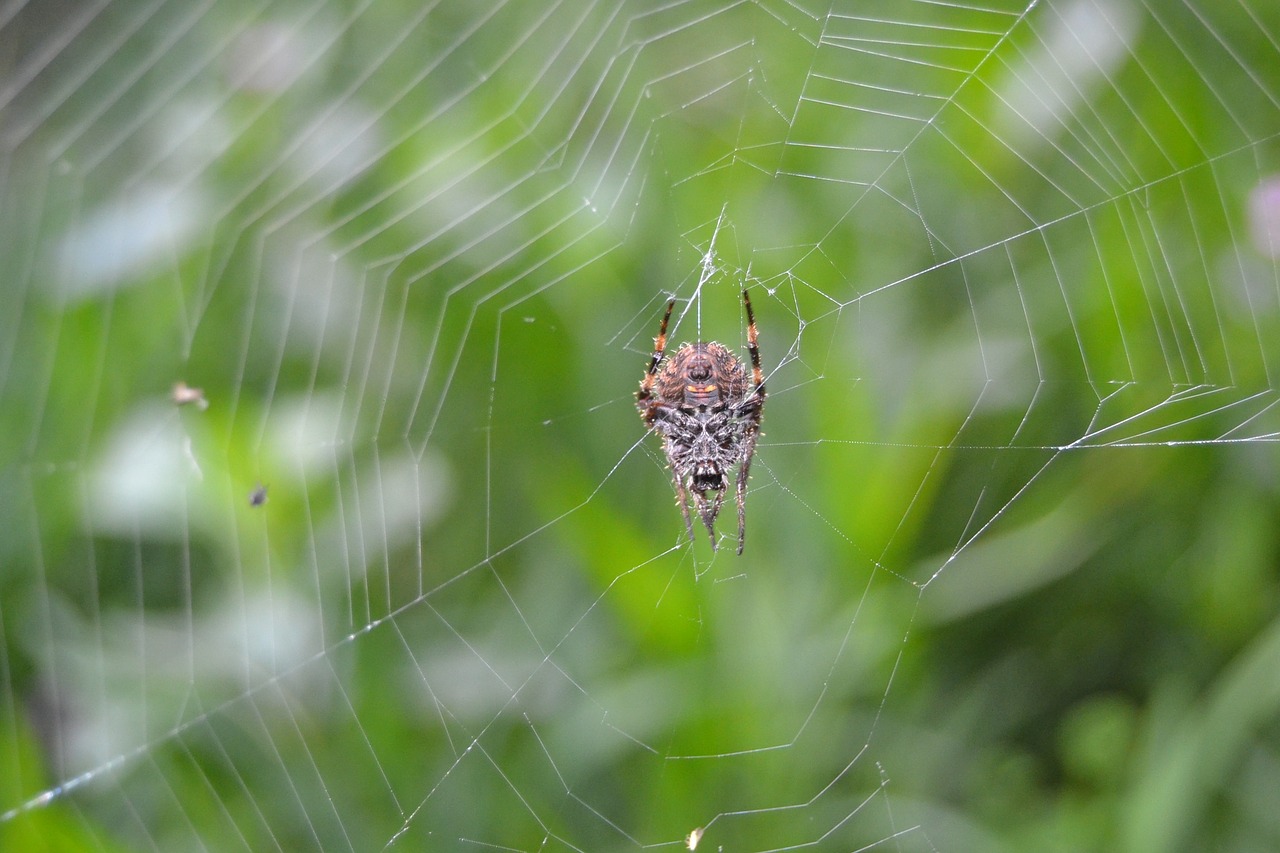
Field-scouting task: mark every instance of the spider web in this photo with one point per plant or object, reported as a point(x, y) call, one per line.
point(394, 268)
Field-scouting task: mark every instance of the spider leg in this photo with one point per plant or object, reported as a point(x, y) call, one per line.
point(708, 510)
point(682, 498)
point(744, 470)
point(753, 347)
point(709, 516)
point(751, 409)
point(659, 348)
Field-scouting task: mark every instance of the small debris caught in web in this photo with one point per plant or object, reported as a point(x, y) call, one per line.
point(183, 395)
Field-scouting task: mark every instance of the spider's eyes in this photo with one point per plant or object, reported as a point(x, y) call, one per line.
point(700, 371)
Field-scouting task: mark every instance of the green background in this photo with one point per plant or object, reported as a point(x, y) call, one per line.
point(1010, 578)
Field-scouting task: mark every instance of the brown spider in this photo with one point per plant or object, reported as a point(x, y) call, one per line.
point(708, 412)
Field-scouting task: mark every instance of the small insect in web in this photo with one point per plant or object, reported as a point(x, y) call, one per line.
point(707, 410)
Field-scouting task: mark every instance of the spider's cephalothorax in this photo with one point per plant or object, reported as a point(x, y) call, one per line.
point(707, 410)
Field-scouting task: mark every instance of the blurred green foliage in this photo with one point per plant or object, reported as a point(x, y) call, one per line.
point(1010, 576)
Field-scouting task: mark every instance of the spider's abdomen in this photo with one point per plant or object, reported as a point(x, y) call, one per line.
point(701, 388)
point(701, 376)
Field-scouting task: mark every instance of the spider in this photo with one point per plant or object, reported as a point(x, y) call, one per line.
point(708, 412)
